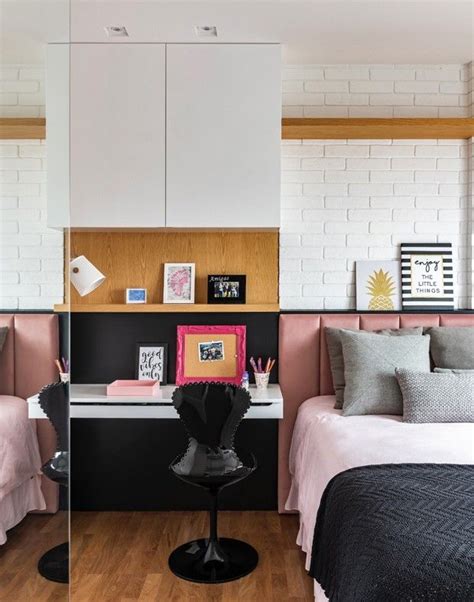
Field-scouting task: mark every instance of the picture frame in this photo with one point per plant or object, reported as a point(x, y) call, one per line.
point(152, 362)
point(226, 289)
point(179, 282)
point(135, 295)
point(378, 286)
point(427, 276)
point(210, 354)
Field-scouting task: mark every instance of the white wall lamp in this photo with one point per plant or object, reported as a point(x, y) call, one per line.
point(85, 277)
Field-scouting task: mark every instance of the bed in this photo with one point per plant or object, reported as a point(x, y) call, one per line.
point(316, 442)
point(26, 365)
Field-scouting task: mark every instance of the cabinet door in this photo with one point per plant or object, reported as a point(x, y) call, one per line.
point(223, 135)
point(117, 135)
point(57, 134)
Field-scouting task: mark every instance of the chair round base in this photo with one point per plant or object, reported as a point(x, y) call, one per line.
point(186, 561)
point(54, 564)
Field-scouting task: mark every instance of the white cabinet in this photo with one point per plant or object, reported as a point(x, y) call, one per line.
point(223, 135)
point(154, 135)
point(117, 102)
point(57, 135)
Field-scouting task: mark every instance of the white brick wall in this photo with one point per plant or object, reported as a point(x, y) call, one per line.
point(344, 200)
point(31, 255)
point(377, 91)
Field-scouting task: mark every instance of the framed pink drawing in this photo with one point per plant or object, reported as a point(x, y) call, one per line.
point(178, 286)
point(210, 353)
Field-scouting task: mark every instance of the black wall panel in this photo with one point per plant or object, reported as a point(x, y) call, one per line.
point(103, 345)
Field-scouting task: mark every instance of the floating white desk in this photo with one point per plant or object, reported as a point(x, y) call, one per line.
point(91, 401)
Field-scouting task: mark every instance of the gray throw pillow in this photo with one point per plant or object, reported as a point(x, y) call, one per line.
point(3, 336)
point(369, 369)
point(452, 347)
point(437, 397)
point(336, 358)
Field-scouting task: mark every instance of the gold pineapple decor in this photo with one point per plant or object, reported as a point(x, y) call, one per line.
point(381, 288)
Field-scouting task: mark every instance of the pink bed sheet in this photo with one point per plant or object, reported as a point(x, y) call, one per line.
point(20, 460)
point(325, 443)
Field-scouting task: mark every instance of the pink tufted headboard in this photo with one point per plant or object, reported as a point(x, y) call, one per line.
point(304, 364)
point(27, 365)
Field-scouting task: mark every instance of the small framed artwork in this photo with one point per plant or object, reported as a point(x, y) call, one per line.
point(152, 362)
point(179, 282)
point(226, 289)
point(135, 295)
point(378, 286)
point(427, 276)
point(210, 353)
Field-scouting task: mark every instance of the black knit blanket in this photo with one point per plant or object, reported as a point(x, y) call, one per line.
point(397, 533)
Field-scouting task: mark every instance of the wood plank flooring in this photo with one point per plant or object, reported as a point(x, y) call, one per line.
point(27, 542)
point(123, 556)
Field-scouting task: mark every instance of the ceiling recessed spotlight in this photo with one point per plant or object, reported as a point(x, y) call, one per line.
point(206, 31)
point(116, 31)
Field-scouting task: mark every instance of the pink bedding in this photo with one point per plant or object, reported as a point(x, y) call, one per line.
point(19, 452)
point(325, 443)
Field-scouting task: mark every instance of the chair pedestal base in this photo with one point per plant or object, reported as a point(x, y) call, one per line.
point(188, 561)
point(54, 564)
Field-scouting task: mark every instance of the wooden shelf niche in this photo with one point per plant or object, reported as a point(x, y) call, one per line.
point(135, 259)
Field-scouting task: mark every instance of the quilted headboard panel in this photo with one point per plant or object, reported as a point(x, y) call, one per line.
point(27, 365)
point(304, 363)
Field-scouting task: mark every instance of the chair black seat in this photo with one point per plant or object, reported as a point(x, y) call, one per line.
point(211, 413)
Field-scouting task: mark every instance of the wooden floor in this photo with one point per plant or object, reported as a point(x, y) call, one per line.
point(123, 556)
point(19, 578)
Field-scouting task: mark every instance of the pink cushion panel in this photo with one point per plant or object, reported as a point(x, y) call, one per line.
point(457, 320)
point(413, 320)
point(332, 321)
point(298, 346)
point(304, 364)
point(379, 321)
point(36, 348)
point(7, 355)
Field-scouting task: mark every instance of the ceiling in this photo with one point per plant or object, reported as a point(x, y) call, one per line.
point(321, 31)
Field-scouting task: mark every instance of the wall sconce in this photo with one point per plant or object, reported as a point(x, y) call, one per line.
point(84, 275)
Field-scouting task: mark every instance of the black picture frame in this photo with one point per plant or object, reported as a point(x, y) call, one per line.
point(213, 298)
point(140, 346)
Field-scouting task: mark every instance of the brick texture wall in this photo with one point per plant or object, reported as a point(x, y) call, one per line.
point(31, 255)
point(345, 200)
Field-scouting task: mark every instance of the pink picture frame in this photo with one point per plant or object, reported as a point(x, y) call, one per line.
point(195, 363)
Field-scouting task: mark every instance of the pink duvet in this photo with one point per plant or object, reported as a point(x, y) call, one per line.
point(325, 443)
point(19, 452)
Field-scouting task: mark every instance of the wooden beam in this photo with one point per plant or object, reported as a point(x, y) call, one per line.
point(22, 128)
point(320, 129)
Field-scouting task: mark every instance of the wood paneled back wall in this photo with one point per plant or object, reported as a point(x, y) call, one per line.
point(135, 259)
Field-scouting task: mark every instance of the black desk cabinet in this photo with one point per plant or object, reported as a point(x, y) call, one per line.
point(122, 464)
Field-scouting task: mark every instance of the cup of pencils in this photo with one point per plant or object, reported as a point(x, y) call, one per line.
point(63, 368)
point(261, 372)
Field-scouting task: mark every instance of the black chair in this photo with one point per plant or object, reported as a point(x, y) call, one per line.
point(54, 401)
point(211, 413)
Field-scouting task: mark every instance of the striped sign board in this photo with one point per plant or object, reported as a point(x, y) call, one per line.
point(427, 276)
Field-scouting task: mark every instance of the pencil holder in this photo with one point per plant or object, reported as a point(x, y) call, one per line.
point(261, 379)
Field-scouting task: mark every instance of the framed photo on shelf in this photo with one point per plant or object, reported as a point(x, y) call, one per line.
point(210, 353)
point(226, 288)
point(179, 282)
point(152, 362)
point(378, 286)
point(427, 276)
point(135, 295)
